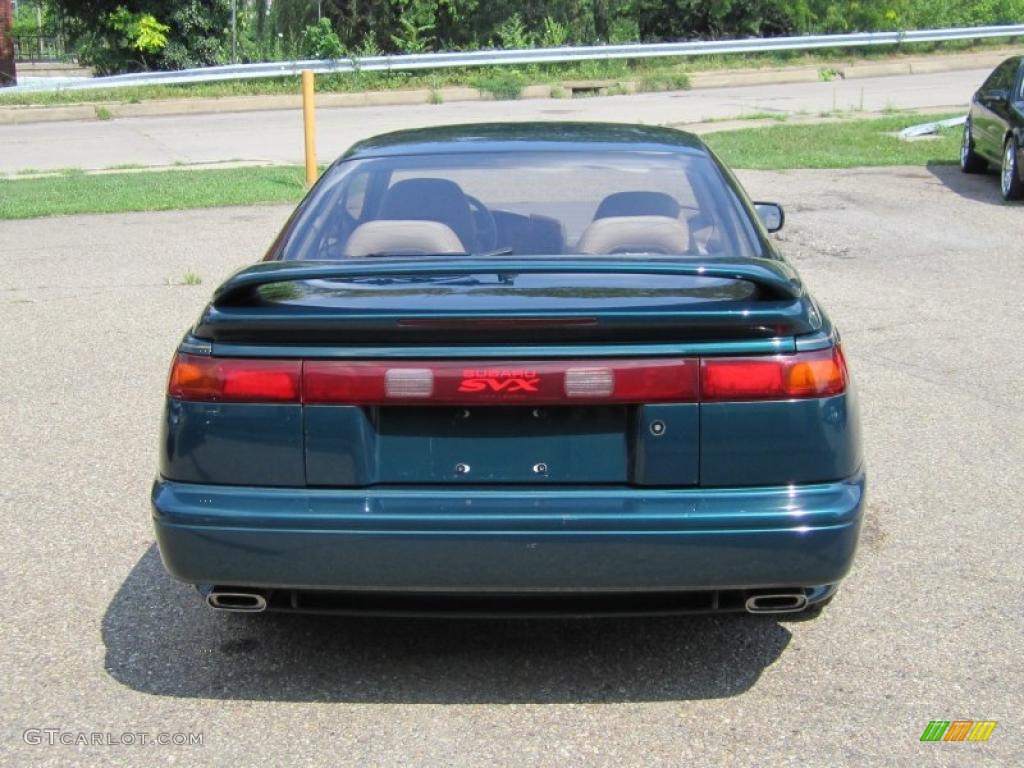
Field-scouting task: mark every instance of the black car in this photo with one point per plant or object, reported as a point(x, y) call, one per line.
point(994, 131)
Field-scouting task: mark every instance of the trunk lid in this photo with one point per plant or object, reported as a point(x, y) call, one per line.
point(491, 317)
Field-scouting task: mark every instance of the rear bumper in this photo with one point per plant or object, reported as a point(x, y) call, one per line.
point(511, 540)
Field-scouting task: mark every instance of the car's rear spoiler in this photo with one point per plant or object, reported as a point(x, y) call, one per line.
point(775, 278)
point(241, 312)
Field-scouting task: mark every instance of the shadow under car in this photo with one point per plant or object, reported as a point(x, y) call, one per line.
point(161, 639)
point(980, 187)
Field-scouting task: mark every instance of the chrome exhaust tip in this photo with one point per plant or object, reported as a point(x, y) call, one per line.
point(238, 602)
point(784, 602)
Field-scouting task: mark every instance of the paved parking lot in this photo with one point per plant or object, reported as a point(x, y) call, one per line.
point(922, 269)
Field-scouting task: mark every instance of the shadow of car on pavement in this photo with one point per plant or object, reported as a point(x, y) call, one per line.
point(980, 187)
point(161, 639)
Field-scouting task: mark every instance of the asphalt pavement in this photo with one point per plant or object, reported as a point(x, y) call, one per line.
point(277, 136)
point(921, 270)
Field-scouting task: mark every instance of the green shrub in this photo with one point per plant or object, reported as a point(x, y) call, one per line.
point(624, 31)
point(554, 33)
point(512, 33)
point(500, 83)
point(678, 81)
point(412, 37)
point(320, 41)
point(116, 36)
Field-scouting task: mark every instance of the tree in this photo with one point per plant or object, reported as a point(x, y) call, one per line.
point(123, 35)
point(126, 35)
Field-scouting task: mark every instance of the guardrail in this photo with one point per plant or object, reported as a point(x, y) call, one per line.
point(414, 61)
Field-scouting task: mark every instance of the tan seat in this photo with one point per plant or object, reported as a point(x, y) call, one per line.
point(635, 234)
point(402, 238)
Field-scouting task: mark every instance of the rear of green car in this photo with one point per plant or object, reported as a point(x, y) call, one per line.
point(485, 432)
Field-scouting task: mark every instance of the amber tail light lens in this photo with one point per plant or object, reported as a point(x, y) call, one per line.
point(235, 380)
point(807, 374)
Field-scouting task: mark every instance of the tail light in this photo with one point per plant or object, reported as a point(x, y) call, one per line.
point(235, 380)
point(807, 374)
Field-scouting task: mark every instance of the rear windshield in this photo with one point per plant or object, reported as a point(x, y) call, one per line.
point(524, 203)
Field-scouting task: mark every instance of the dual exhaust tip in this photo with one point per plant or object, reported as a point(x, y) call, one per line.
point(781, 602)
point(238, 601)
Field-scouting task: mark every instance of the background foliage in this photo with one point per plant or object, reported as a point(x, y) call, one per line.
point(126, 35)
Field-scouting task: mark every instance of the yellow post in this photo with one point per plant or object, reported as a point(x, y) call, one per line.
point(309, 123)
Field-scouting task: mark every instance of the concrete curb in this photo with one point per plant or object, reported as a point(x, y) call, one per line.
point(16, 115)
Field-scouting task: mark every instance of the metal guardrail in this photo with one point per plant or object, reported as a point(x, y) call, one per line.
point(415, 61)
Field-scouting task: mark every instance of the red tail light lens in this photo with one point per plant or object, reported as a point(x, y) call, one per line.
point(807, 374)
point(235, 380)
point(524, 383)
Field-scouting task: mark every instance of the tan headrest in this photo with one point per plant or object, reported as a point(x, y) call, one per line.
point(635, 234)
point(402, 237)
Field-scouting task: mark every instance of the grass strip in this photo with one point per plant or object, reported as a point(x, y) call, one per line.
point(846, 143)
point(77, 192)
